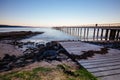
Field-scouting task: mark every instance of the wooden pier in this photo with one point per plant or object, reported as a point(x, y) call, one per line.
point(103, 66)
point(93, 33)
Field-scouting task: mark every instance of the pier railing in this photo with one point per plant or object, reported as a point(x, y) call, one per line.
point(93, 33)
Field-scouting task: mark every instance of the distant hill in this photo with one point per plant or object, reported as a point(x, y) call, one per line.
point(2, 26)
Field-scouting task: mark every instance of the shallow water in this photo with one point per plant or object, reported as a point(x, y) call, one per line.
point(49, 34)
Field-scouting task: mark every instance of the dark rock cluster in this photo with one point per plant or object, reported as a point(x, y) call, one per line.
point(49, 51)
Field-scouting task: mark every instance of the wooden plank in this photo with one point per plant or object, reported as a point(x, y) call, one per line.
point(97, 60)
point(100, 69)
point(111, 77)
point(101, 62)
point(85, 47)
point(101, 65)
point(97, 56)
point(80, 45)
point(107, 73)
point(104, 57)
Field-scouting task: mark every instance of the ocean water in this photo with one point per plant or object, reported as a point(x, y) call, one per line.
point(49, 34)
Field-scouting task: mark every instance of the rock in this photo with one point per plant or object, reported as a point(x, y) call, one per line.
point(27, 51)
point(13, 58)
point(20, 63)
point(61, 51)
point(6, 57)
point(38, 52)
point(48, 45)
point(5, 68)
point(52, 45)
point(49, 54)
point(9, 58)
point(40, 45)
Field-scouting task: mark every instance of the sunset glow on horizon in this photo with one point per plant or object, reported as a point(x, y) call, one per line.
point(59, 12)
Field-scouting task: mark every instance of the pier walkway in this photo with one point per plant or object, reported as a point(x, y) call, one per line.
point(104, 63)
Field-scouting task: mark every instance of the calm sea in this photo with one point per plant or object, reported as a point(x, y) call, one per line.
point(49, 34)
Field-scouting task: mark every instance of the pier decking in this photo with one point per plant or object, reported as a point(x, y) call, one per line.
point(103, 66)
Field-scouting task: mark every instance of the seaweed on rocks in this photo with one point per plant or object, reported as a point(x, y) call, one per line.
point(90, 53)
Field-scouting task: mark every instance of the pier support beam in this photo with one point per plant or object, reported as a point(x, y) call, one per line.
point(81, 34)
point(106, 35)
point(118, 35)
point(101, 34)
point(84, 34)
point(112, 34)
point(97, 33)
point(94, 34)
point(87, 33)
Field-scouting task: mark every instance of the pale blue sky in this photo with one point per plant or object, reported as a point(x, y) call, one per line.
point(59, 12)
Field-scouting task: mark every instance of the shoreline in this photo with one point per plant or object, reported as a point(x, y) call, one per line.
point(17, 35)
point(50, 55)
point(32, 58)
point(8, 41)
point(17, 57)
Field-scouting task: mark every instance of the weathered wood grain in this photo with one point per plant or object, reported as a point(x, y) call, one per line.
point(105, 67)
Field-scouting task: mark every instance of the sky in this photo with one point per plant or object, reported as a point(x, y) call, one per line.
point(59, 12)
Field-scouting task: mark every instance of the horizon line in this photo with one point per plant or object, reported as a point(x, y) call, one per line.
point(105, 24)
